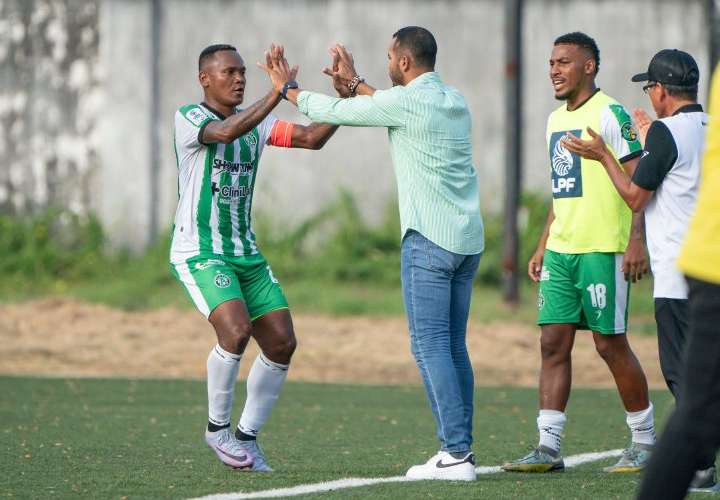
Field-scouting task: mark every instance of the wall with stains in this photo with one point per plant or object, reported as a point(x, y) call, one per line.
point(85, 125)
point(50, 101)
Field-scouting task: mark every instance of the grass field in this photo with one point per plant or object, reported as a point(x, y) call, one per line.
point(91, 438)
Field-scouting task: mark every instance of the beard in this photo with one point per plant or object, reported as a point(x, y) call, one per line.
point(395, 76)
point(564, 96)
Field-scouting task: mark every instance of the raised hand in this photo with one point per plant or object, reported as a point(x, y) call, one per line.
point(277, 67)
point(642, 122)
point(342, 69)
point(332, 71)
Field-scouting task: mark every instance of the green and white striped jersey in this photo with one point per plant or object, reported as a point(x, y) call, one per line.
point(215, 187)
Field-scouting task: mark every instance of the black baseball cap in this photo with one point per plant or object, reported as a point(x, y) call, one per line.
point(673, 67)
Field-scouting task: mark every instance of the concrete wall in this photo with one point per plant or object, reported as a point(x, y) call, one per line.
point(294, 184)
point(50, 100)
point(125, 125)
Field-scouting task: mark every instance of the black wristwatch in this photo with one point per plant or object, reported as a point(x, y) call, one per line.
point(292, 84)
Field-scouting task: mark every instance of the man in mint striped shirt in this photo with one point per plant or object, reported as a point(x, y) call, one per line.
point(429, 127)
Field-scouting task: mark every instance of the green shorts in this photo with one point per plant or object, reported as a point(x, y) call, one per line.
point(213, 279)
point(588, 290)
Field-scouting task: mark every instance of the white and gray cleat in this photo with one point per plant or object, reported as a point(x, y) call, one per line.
point(229, 450)
point(260, 464)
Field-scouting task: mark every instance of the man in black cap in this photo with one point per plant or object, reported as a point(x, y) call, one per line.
point(665, 184)
point(693, 431)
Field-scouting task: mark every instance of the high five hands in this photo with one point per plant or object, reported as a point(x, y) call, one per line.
point(277, 67)
point(342, 69)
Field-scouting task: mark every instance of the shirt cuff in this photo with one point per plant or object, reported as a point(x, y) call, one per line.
point(630, 156)
point(302, 101)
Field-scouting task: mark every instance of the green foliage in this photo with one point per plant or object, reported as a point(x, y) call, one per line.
point(55, 250)
point(337, 245)
point(531, 221)
point(54, 244)
point(334, 261)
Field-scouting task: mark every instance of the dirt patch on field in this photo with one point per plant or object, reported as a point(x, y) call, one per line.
point(69, 338)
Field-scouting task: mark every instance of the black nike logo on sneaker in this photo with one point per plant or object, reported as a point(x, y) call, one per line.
point(470, 458)
point(239, 458)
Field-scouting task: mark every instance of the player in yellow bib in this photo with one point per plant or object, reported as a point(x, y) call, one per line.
point(585, 258)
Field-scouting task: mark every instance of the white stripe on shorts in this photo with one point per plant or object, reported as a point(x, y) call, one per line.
point(191, 285)
point(621, 294)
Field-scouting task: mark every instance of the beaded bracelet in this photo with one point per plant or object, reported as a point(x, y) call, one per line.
point(353, 85)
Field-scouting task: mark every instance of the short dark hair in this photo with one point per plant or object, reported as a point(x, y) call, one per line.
point(420, 42)
point(208, 52)
point(584, 41)
point(682, 92)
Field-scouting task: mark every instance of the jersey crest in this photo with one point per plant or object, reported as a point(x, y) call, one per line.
point(627, 130)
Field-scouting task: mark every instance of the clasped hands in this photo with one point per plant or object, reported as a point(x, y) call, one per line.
point(341, 69)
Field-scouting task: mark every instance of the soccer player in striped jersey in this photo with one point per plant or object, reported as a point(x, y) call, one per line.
point(214, 253)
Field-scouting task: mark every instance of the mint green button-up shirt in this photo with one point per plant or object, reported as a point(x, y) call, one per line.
point(429, 129)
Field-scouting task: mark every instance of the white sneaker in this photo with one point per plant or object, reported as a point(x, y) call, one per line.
point(228, 449)
point(705, 481)
point(445, 466)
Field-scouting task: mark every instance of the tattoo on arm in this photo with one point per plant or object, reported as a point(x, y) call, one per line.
point(234, 126)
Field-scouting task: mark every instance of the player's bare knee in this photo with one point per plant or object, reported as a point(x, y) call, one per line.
point(235, 337)
point(283, 349)
point(554, 348)
point(609, 351)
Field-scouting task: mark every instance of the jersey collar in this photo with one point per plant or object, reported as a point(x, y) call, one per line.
point(689, 108)
point(214, 111)
point(584, 102)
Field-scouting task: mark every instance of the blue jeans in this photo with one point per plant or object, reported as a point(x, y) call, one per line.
point(437, 285)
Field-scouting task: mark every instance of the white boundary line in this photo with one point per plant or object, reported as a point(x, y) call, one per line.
point(354, 482)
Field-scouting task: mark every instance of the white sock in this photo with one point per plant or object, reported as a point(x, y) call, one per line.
point(222, 370)
point(550, 426)
point(642, 425)
point(264, 383)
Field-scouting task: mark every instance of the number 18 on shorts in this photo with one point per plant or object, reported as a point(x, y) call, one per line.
point(587, 289)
